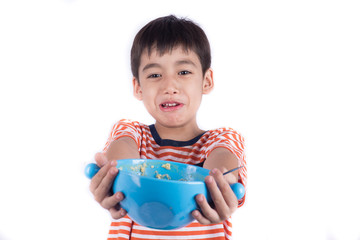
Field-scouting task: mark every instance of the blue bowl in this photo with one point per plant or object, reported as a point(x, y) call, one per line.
point(160, 194)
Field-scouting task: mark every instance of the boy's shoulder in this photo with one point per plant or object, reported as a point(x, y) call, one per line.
point(225, 136)
point(129, 123)
point(129, 126)
point(223, 131)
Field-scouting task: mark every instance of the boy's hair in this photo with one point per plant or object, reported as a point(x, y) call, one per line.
point(165, 33)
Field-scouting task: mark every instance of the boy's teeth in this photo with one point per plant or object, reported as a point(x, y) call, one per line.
point(169, 104)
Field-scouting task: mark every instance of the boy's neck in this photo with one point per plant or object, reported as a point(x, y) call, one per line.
point(178, 133)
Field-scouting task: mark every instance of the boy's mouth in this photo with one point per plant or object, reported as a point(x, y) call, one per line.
point(170, 106)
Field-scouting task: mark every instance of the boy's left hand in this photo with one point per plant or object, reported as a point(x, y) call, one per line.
point(224, 199)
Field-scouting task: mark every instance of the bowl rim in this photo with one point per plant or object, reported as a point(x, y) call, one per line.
point(157, 179)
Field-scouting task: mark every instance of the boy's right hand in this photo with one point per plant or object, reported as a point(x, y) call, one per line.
point(100, 186)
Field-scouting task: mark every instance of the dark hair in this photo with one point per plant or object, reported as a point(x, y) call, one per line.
point(165, 33)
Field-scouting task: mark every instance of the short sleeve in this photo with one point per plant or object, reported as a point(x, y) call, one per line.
point(124, 128)
point(230, 139)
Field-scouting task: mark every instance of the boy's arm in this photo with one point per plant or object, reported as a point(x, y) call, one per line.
point(225, 201)
point(101, 183)
point(122, 148)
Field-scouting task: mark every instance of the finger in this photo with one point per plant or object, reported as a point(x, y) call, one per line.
point(112, 201)
point(220, 204)
point(101, 159)
point(99, 176)
point(200, 218)
point(227, 193)
point(96, 180)
point(117, 213)
point(104, 187)
point(208, 214)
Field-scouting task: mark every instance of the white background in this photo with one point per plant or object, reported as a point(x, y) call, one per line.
point(286, 77)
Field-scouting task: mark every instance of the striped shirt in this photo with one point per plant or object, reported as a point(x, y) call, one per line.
point(194, 152)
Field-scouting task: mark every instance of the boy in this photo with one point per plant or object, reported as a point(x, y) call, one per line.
point(170, 62)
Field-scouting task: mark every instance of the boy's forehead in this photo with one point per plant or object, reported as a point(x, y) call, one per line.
point(160, 52)
point(154, 52)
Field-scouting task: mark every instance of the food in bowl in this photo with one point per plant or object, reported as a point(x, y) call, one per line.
point(140, 168)
point(166, 166)
point(162, 176)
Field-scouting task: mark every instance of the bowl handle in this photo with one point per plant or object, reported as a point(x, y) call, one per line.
point(238, 189)
point(91, 169)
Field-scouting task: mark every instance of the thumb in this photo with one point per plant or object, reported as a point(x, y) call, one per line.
point(101, 159)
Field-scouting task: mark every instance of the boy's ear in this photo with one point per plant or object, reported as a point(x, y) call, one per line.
point(208, 82)
point(137, 89)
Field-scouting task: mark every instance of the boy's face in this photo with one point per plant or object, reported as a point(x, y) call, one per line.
point(171, 86)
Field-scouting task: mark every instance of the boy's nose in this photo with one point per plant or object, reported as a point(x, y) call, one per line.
point(170, 86)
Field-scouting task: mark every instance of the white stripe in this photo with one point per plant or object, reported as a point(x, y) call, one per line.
point(122, 220)
point(178, 237)
point(176, 159)
point(227, 226)
point(120, 228)
point(212, 145)
point(184, 229)
point(119, 235)
point(229, 220)
point(172, 158)
point(188, 149)
point(175, 151)
point(228, 237)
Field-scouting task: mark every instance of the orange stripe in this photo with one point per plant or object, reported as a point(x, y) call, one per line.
point(116, 224)
point(213, 238)
point(177, 154)
point(172, 154)
point(187, 151)
point(227, 231)
point(119, 231)
point(177, 233)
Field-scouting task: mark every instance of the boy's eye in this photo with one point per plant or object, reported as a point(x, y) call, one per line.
point(184, 72)
point(154, 75)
